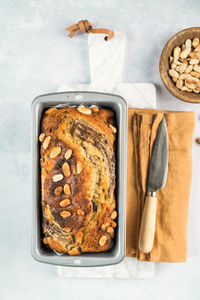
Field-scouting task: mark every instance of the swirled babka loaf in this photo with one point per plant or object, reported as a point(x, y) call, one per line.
point(78, 179)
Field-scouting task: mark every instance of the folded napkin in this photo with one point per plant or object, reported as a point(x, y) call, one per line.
point(170, 243)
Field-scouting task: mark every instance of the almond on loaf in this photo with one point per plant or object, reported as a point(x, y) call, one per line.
point(78, 179)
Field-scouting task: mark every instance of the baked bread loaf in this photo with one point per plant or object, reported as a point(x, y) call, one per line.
point(78, 179)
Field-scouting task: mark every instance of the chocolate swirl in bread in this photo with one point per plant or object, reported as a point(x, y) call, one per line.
point(86, 133)
point(78, 179)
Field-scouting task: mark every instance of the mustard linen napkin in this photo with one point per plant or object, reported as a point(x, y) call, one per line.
point(170, 243)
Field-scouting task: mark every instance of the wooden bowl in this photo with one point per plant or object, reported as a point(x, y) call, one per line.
point(177, 40)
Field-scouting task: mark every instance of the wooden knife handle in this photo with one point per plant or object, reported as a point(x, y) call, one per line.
point(147, 229)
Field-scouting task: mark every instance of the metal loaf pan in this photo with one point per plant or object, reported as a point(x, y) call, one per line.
point(65, 99)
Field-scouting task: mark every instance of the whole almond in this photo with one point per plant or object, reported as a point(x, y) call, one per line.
point(173, 66)
point(65, 202)
point(184, 76)
point(185, 52)
point(46, 142)
point(57, 177)
point(194, 61)
point(113, 215)
point(105, 225)
point(111, 231)
point(177, 51)
point(58, 190)
point(68, 154)
point(189, 69)
point(80, 212)
point(65, 214)
point(195, 54)
point(194, 73)
point(114, 130)
point(173, 73)
point(66, 169)
point(74, 251)
point(67, 189)
point(182, 68)
point(84, 110)
point(192, 79)
point(189, 85)
point(51, 110)
point(41, 137)
point(103, 240)
point(45, 241)
point(179, 83)
point(188, 43)
point(55, 152)
point(197, 75)
point(95, 109)
point(114, 224)
point(195, 42)
point(79, 167)
point(196, 68)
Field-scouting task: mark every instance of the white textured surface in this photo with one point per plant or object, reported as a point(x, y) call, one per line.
point(106, 63)
point(128, 268)
point(35, 57)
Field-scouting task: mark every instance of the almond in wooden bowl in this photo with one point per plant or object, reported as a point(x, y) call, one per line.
point(179, 59)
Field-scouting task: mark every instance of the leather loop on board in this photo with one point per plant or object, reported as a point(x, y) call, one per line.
point(86, 26)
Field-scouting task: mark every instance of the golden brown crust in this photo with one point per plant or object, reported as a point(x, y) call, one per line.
point(78, 179)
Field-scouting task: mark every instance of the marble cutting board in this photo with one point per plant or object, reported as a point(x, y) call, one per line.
point(106, 65)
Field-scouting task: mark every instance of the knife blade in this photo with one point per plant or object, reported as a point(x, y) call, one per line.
point(157, 177)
